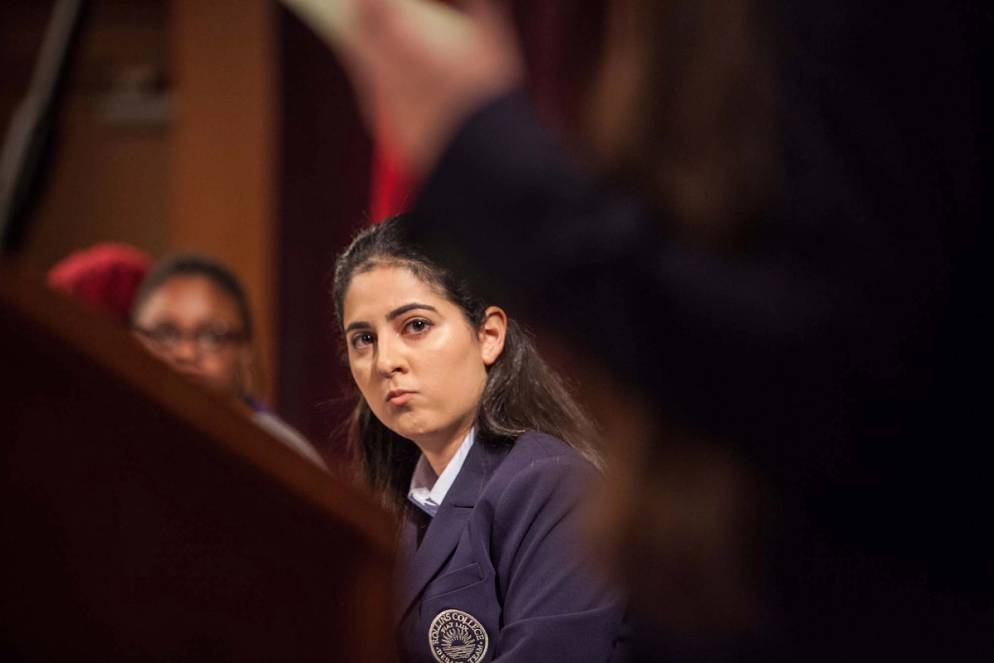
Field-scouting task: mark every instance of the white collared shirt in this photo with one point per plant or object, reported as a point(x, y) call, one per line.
point(427, 488)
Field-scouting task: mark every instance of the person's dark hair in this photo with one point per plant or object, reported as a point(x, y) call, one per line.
point(522, 393)
point(701, 143)
point(192, 264)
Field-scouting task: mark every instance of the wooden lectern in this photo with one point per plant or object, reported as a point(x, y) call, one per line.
point(146, 519)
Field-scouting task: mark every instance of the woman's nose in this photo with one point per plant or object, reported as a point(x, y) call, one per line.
point(185, 351)
point(389, 358)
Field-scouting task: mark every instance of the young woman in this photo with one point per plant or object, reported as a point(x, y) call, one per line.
point(474, 441)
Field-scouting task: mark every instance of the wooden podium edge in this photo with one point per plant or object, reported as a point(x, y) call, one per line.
point(111, 348)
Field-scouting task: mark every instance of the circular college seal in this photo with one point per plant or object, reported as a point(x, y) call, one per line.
point(457, 637)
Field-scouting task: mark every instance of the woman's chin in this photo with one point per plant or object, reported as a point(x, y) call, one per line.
point(407, 428)
point(425, 436)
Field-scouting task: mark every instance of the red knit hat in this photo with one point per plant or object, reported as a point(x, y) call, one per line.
point(105, 275)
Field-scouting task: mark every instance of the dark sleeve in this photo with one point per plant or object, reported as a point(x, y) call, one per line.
point(726, 344)
point(556, 604)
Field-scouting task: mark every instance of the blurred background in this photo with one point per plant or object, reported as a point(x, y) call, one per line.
point(227, 128)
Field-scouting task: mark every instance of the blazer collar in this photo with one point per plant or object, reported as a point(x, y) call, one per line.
point(421, 564)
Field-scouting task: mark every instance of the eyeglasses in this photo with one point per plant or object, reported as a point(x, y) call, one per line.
point(207, 339)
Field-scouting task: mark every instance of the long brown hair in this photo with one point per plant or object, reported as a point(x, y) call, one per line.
point(693, 131)
point(521, 393)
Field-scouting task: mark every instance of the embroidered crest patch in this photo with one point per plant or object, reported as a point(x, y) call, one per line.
point(457, 637)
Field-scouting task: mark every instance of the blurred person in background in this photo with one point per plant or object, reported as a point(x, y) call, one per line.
point(192, 312)
point(779, 255)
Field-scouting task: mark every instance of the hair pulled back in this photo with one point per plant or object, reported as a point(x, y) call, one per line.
point(522, 393)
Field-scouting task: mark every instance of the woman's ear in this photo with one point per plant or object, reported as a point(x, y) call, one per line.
point(493, 329)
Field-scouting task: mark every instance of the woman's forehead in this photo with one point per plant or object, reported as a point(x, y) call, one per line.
point(375, 292)
point(191, 295)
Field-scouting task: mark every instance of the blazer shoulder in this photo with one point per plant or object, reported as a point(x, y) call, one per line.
point(533, 447)
point(541, 485)
point(539, 462)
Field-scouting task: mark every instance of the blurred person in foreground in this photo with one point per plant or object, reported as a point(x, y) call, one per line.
point(192, 312)
point(780, 258)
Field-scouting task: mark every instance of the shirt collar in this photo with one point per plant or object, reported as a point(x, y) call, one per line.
point(428, 489)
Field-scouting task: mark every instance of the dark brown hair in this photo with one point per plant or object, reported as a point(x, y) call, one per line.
point(521, 393)
point(699, 137)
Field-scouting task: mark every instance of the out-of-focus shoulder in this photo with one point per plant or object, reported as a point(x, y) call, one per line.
point(536, 454)
point(536, 446)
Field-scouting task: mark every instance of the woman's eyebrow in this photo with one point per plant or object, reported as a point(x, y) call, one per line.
point(401, 310)
point(358, 324)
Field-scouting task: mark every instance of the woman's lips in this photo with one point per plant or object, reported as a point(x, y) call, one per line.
point(399, 397)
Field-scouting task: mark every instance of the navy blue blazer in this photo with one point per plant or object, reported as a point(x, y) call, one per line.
point(500, 574)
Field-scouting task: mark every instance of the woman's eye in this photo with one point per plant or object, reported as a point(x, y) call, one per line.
point(362, 340)
point(417, 326)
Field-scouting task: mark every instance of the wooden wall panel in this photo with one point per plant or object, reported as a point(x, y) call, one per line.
point(224, 139)
point(108, 174)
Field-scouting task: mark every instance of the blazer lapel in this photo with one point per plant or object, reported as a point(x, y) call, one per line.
point(447, 526)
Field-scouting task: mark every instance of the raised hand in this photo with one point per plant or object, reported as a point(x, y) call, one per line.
point(419, 66)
